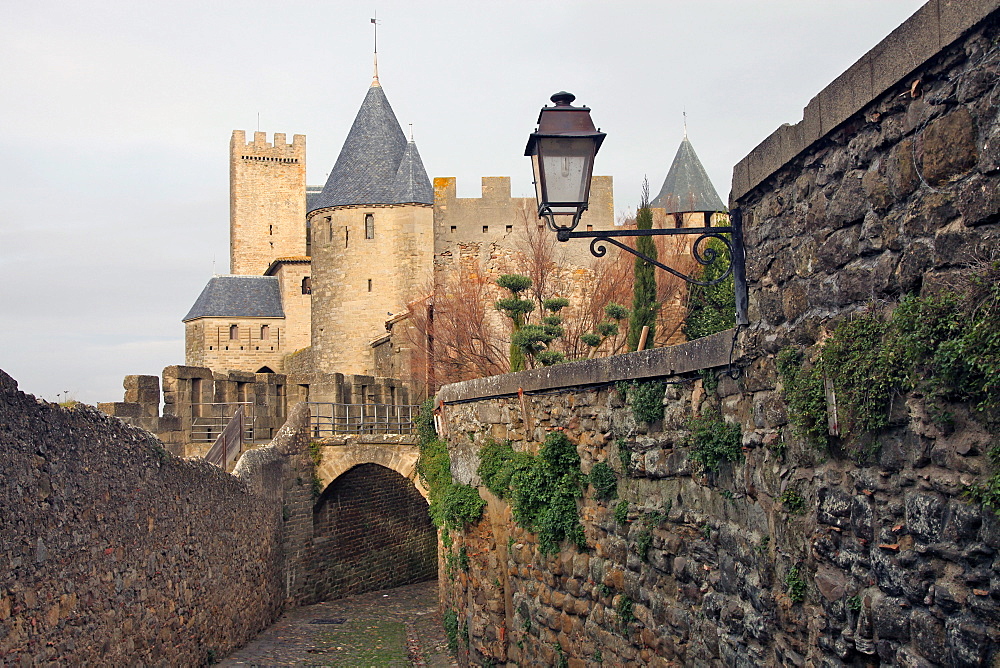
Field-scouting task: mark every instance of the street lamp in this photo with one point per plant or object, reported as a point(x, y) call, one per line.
point(562, 152)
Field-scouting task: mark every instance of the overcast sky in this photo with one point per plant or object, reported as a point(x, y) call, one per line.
point(116, 118)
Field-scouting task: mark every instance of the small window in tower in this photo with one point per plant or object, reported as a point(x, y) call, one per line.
point(510, 228)
point(369, 285)
point(234, 332)
point(486, 228)
point(307, 286)
point(453, 229)
point(265, 332)
point(270, 229)
point(329, 231)
point(347, 236)
point(369, 226)
point(590, 228)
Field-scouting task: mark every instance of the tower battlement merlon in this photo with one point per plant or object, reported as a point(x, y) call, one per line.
point(261, 150)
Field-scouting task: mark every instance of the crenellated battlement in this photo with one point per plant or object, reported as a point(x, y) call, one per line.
point(267, 200)
point(260, 150)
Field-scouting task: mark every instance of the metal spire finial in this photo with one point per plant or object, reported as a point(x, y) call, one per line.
point(375, 81)
point(685, 124)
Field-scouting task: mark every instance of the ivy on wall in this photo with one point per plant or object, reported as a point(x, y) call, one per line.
point(943, 346)
point(452, 506)
point(542, 490)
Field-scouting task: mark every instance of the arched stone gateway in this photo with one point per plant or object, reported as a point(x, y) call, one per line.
point(371, 530)
point(397, 455)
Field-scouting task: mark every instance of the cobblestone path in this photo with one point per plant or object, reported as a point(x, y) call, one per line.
point(394, 627)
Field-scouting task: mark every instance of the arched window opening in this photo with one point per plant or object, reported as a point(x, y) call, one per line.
point(234, 332)
point(307, 286)
point(265, 369)
point(265, 332)
point(369, 226)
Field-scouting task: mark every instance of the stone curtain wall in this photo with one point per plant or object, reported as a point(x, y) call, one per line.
point(792, 555)
point(371, 530)
point(116, 552)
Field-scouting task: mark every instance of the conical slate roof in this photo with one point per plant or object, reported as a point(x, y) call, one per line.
point(369, 164)
point(687, 186)
point(411, 183)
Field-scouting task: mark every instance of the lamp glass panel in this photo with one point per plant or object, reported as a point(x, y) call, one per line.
point(566, 164)
point(538, 178)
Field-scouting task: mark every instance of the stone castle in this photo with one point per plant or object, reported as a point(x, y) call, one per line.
point(320, 274)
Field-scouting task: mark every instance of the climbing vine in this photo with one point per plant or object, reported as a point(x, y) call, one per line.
point(542, 490)
point(714, 441)
point(452, 506)
point(944, 347)
point(604, 481)
point(645, 399)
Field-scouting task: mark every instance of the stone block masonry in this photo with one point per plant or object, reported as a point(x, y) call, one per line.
point(790, 555)
point(371, 530)
point(116, 553)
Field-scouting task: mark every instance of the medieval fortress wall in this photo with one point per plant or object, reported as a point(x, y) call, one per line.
point(368, 262)
point(267, 200)
point(864, 552)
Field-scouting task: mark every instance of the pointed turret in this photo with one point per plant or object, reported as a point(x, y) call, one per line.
point(412, 184)
point(687, 187)
point(372, 159)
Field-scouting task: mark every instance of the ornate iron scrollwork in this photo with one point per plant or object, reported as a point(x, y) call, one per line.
point(731, 238)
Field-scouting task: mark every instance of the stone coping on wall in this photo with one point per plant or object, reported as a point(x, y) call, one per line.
point(704, 353)
point(922, 36)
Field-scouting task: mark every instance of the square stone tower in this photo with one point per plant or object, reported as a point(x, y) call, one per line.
point(267, 201)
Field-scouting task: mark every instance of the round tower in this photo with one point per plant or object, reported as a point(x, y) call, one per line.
point(372, 238)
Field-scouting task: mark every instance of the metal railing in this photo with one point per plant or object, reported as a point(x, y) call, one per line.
point(229, 444)
point(328, 419)
point(209, 420)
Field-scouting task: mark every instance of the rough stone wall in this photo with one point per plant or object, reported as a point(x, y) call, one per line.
point(207, 343)
point(296, 304)
point(357, 282)
point(115, 552)
point(371, 530)
point(898, 566)
point(462, 224)
point(267, 201)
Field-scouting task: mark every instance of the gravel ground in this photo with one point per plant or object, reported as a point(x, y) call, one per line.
point(394, 627)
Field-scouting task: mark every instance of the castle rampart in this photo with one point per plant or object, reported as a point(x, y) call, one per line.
point(267, 200)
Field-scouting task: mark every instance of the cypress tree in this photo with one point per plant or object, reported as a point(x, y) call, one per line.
point(644, 304)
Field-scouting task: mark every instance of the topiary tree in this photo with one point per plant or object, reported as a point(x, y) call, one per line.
point(644, 304)
point(517, 309)
point(606, 329)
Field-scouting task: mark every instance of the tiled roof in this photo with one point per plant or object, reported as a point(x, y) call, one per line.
point(238, 297)
point(369, 163)
point(687, 186)
point(411, 184)
point(312, 196)
point(277, 262)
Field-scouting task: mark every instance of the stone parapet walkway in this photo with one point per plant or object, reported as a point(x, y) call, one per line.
point(394, 627)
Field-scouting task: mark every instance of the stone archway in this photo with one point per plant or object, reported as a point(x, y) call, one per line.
point(338, 459)
point(372, 530)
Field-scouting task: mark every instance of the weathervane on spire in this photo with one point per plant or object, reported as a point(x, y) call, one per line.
point(375, 27)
